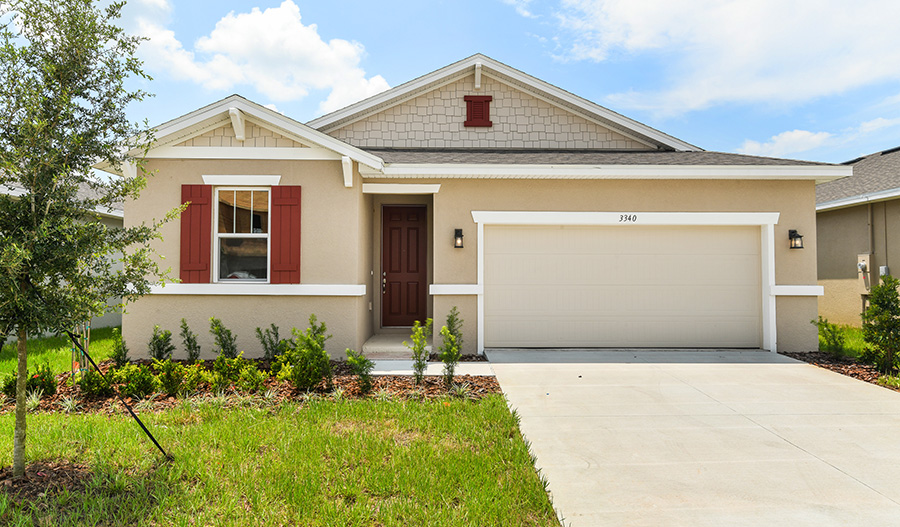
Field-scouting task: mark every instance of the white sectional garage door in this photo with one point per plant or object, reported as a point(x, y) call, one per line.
point(622, 286)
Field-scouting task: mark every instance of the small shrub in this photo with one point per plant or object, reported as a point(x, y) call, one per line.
point(120, 350)
point(218, 384)
point(454, 326)
point(43, 380)
point(137, 381)
point(226, 342)
point(272, 345)
point(160, 345)
point(229, 369)
point(305, 363)
point(881, 325)
point(193, 377)
point(170, 375)
point(419, 339)
point(362, 367)
point(831, 337)
point(449, 355)
point(251, 380)
point(8, 386)
point(93, 385)
point(189, 339)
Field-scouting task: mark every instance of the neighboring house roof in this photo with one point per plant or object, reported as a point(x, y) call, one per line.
point(876, 177)
point(481, 64)
point(84, 192)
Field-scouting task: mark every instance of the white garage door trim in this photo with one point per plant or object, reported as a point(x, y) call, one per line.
point(764, 220)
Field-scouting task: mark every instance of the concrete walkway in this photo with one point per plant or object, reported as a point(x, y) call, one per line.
point(706, 438)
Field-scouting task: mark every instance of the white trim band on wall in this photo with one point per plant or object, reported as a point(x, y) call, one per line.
point(455, 289)
point(798, 290)
point(261, 289)
point(242, 180)
point(399, 188)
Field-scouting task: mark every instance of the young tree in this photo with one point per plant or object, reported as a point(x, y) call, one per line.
point(63, 99)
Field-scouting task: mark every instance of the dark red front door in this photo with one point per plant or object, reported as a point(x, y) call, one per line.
point(403, 265)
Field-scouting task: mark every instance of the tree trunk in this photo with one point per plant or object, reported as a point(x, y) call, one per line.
point(21, 380)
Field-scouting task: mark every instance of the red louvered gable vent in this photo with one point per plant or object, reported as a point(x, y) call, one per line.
point(285, 235)
point(478, 110)
point(196, 234)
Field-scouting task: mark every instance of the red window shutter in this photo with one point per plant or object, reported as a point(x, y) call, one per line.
point(196, 234)
point(285, 235)
point(478, 110)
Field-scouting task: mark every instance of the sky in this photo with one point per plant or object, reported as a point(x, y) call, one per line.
point(801, 79)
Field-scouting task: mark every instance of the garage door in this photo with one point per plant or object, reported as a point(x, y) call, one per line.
point(621, 286)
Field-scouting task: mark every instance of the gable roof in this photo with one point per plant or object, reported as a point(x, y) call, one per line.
point(876, 177)
point(218, 113)
point(508, 75)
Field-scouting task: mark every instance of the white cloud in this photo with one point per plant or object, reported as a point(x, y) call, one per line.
point(877, 124)
point(270, 50)
point(719, 51)
point(521, 7)
point(786, 143)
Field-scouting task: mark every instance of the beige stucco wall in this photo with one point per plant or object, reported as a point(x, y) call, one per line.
point(242, 315)
point(792, 199)
point(334, 246)
point(112, 318)
point(520, 120)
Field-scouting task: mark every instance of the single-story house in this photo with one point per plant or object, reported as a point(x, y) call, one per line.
point(548, 220)
point(858, 226)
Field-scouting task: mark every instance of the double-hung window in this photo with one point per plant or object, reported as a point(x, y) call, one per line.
point(242, 234)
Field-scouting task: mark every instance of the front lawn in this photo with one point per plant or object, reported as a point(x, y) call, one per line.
point(321, 462)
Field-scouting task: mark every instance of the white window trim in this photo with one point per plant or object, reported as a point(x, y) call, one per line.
point(217, 236)
point(242, 180)
point(764, 220)
point(260, 289)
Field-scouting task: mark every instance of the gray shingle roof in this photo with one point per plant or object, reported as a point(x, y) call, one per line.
point(876, 172)
point(84, 192)
point(574, 157)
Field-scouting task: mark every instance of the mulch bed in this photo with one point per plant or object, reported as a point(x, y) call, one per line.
point(843, 365)
point(397, 386)
point(44, 478)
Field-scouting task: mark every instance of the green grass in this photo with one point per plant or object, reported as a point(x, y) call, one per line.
point(853, 341)
point(322, 463)
point(56, 351)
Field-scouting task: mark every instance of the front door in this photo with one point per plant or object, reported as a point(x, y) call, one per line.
point(403, 265)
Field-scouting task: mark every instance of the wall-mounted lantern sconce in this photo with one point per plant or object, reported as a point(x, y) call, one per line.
point(796, 239)
point(457, 239)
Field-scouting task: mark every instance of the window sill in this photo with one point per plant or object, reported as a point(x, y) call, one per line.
point(259, 289)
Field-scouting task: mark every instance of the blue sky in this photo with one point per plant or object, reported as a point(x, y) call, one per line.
point(804, 79)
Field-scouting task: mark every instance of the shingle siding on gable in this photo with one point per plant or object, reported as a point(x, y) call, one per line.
point(256, 136)
point(435, 120)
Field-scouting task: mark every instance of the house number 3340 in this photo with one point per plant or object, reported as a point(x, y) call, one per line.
point(627, 218)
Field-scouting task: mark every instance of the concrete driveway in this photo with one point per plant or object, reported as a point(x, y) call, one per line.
point(705, 438)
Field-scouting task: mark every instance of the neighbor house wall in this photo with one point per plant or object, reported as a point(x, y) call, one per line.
point(454, 204)
point(842, 235)
point(331, 229)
